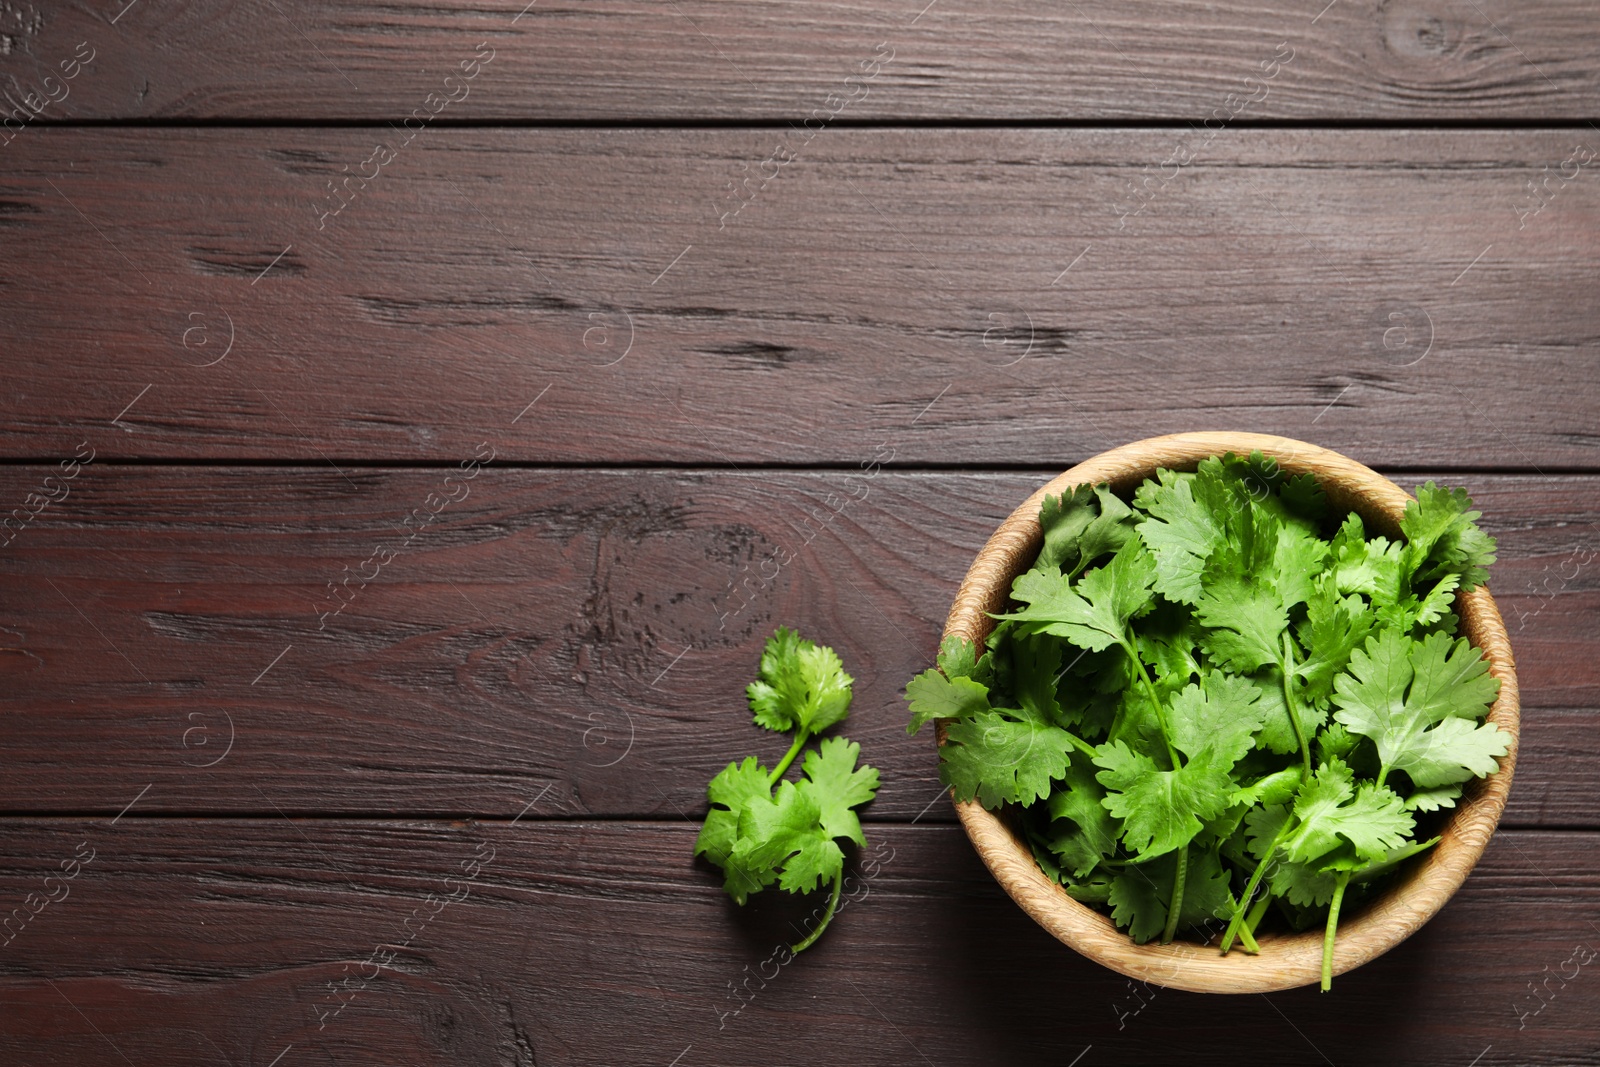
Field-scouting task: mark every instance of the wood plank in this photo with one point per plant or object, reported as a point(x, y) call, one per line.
point(758, 59)
point(587, 630)
point(198, 942)
point(958, 296)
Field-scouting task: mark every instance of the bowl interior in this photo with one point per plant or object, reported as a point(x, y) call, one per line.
point(1285, 960)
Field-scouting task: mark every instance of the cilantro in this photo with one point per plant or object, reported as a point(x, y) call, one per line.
point(1090, 833)
point(1003, 757)
point(1420, 702)
point(1161, 810)
point(791, 835)
point(1218, 695)
point(933, 696)
point(1329, 809)
point(1081, 526)
point(1094, 615)
point(801, 686)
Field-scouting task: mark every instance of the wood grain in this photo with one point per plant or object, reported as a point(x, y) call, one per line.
point(191, 942)
point(627, 60)
point(535, 626)
point(957, 296)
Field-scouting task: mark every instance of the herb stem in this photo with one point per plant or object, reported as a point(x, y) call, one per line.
point(800, 738)
point(1257, 913)
point(1255, 880)
point(1286, 666)
point(1155, 702)
point(1247, 939)
point(1333, 924)
point(1083, 746)
point(1176, 905)
point(833, 905)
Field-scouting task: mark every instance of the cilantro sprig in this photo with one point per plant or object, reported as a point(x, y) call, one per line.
point(761, 829)
point(1219, 697)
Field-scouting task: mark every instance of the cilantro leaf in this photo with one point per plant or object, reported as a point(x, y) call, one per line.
point(1246, 613)
point(1435, 799)
point(1298, 557)
point(1442, 536)
point(1161, 810)
point(836, 786)
point(1002, 757)
point(1091, 832)
point(1168, 639)
point(1141, 893)
point(802, 685)
point(1249, 586)
point(1336, 743)
point(958, 657)
point(934, 696)
point(1036, 661)
point(1277, 733)
point(1383, 864)
point(1139, 903)
point(1274, 788)
point(1263, 825)
point(758, 836)
point(1303, 497)
point(779, 688)
point(1081, 526)
point(1094, 613)
point(1418, 700)
point(730, 792)
point(1332, 629)
point(1411, 610)
point(1330, 810)
point(788, 836)
point(1186, 524)
point(1369, 567)
point(1062, 520)
point(1305, 884)
point(785, 832)
point(1219, 715)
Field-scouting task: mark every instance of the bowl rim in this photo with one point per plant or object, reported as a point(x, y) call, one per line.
point(1286, 961)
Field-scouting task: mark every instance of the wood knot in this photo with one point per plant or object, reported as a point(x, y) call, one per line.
point(1414, 31)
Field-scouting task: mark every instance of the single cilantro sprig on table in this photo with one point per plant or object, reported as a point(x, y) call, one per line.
point(759, 836)
point(1221, 691)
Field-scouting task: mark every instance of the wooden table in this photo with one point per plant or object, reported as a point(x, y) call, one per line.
point(404, 404)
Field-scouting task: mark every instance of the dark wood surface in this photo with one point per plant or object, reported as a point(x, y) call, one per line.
point(588, 628)
point(602, 943)
point(1361, 287)
point(753, 60)
point(1007, 242)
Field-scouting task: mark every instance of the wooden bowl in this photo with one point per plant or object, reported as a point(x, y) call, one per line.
point(1285, 960)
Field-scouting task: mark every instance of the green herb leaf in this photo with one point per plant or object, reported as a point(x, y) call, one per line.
point(1219, 715)
point(1442, 536)
point(1418, 700)
point(1094, 613)
point(933, 696)
point(785, 832)
point(801, 686)
point(730, 792)
point(1003, 757)
point(1084, 832)
point(1331, 809)
point(836, 786)
point(1161, 810)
